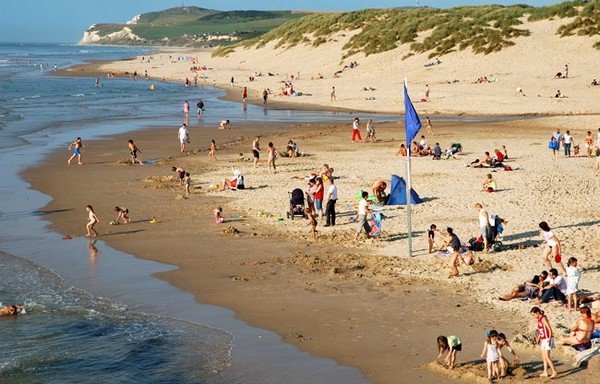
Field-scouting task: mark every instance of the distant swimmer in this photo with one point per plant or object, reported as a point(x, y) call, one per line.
point(11, 310)
point(98, 82)
point(152, 87)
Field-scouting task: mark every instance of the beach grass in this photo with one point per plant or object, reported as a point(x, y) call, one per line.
point(484, 29)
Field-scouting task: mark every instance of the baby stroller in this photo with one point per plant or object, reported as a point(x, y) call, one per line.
point(296, 204)
point(496, 228)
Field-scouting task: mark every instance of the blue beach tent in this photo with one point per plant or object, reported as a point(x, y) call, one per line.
point(398, 193)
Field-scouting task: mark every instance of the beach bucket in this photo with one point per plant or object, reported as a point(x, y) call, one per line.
point(217, 186)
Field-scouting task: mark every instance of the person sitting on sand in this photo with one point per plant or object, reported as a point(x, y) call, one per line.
point(11, 310)
point(529, 288)
point(378, 190)
point(218, 215)
point(437, 152)
point(581, 332)
point(485, 161)
point(489, 185)
point(414, 149)
point(401, 150)
point(237, 182)
point(224, 124)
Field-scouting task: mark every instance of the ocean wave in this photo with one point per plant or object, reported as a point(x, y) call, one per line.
point(78, 95)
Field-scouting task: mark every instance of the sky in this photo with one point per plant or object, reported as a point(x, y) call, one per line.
point(64, 21)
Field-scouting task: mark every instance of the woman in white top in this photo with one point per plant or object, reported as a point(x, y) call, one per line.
point(552, 245)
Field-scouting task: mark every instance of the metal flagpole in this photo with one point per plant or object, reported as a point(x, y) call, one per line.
point(408, 184)
point(408, 198)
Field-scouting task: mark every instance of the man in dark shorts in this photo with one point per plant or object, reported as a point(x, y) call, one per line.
point(256, 150)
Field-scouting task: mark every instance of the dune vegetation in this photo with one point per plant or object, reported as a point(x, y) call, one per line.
point(484, 29)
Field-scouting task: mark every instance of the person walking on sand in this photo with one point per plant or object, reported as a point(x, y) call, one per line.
point(546, 341)
point(244, 94)
point(265, 95)
point(428, 126)
point(213, 150)
point(271, 156)
point(589, 143)
point(76, 148)
point(484, 225)
point(362, 216)
point(256, 150)
point(332, 195)
point(93, 220)
point(332, 95)
point(356, 129)
point(370, 131)
point(187, 182)
point(184, 136)
point(552, 245)
point(133, 151)
point(427, 92)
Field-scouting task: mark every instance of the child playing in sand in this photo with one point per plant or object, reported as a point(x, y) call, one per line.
point(452, 344)
point(489, 185)
point(431, 236)
point(492, 355)
point(213, 150)
point(76, 147)
point(122, 214)
point(219, 215)
point(133, 151)
point(573, 274)
point(312, 222)
point(93, 219)
point(187, 181)
point(502, 342)
point(180, 174)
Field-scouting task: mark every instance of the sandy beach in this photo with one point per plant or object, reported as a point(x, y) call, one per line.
point(358, 303)
point(366, 304)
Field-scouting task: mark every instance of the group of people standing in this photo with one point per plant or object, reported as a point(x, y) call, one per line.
point(592, 146)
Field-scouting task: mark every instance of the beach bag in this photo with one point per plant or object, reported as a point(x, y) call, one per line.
point(553, 144)
point(475, 244)
point(240, 182)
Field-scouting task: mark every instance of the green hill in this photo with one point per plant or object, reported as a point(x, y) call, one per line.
point(188, 26)
point(484, 29)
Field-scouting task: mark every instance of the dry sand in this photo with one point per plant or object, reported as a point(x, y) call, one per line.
point(530, 64)
point(365, 304)
point(361, 304)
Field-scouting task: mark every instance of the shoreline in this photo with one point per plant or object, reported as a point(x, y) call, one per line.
point(97, 68)
point(258, 287)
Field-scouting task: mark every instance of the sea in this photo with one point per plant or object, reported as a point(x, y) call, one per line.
point(95, 314)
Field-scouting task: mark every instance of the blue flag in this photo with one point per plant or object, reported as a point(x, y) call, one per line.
point(411, 119)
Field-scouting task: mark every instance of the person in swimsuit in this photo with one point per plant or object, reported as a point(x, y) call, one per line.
point(213, 150)
point(256, 150)
point(312, 222)
point(76, 147)
point(552, 245)
point(93, 220)
point(452, 344)
point(546, 341)
point(11, 310)
point(122, 214)
point(492, 355)
point(581, 332)
point(271, 156)
point(133, 151)
point(180, 174)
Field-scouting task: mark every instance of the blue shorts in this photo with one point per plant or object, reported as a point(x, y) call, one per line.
point(76, 151)
point(319, 204)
